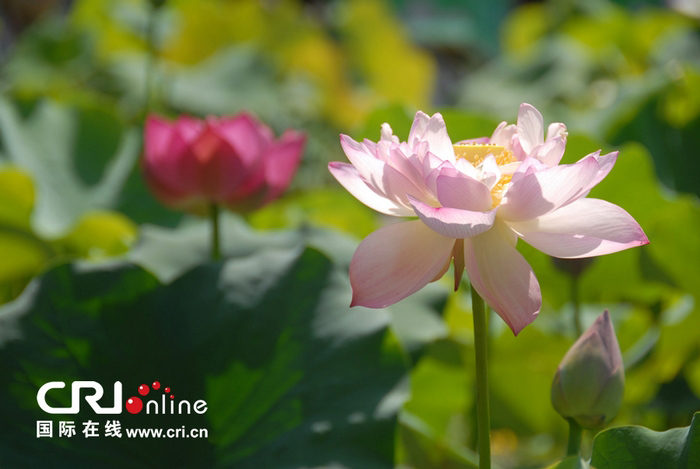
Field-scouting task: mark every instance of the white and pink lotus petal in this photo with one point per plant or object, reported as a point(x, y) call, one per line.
point(530, 127)
point(348, 176)
point(432, 130)
point(584, 228)
point(396, 261)
point(454, 222)
point(541, 192)
point(455, 189)
point(555, 130)
point(503, 135)
point(502, 277)
point(550, 152)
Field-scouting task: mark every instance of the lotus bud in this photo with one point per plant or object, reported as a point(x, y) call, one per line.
point(590, 381)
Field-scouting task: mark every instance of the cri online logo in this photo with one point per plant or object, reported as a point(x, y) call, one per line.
point(133, 405)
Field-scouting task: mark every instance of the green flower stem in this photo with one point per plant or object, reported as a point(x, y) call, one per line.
point(577, 305)
point(483, 419)
point(575, 434)
point(215, 232)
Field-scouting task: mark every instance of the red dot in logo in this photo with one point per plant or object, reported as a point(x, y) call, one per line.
point(143, 389)
point(172, 396)
point(156, 385)
point(134, 405)
point(167, 390)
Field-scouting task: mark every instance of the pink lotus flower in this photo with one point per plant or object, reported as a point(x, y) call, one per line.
point(233, 161)
point(473, 201)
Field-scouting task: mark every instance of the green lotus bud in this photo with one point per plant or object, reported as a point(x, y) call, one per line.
point(590, 380)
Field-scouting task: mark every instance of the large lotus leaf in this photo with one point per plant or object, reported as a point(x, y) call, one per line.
point(641, 448)
point(291, 375)
point(170, 252)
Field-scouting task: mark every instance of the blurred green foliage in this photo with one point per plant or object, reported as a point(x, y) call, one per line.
point(622, 75)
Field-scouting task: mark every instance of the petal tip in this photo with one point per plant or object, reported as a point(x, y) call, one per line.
point(358, 302)
point(642, 238)
point(518, 328)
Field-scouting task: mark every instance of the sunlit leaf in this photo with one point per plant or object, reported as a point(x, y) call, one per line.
point(100, 234)
point(22, 255)
point(16, 197)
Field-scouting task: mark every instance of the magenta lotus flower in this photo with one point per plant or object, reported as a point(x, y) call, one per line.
point(473, 201)
point(233, 161)
point(590, 382)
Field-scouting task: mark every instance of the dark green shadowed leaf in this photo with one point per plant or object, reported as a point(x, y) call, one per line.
point(292, 376)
